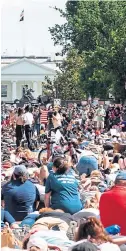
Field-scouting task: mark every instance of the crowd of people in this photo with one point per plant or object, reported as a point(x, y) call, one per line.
point(63, 205)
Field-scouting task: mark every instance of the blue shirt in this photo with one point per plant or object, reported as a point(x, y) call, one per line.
point(87, 164)
point(20, 198)
point(64, 192)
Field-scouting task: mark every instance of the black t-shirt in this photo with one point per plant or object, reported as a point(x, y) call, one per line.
point(63, 216)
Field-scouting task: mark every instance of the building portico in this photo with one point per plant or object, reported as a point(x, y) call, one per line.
point(23, 72)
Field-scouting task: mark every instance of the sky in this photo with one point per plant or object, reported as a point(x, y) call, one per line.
point(32, 34)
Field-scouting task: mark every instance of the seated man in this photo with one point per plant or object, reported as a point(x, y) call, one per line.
point(20, 195)
point(113, 204)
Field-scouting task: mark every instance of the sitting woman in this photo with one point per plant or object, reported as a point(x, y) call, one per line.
point(61, 190)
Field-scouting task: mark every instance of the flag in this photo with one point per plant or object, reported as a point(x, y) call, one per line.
point(22, 16)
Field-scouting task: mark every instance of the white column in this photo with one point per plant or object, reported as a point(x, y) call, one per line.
point(35, 89)
point(14, 92)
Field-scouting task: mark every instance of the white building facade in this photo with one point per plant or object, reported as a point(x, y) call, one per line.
point(23, 72)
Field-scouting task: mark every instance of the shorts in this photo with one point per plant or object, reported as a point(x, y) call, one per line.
point(100, 124)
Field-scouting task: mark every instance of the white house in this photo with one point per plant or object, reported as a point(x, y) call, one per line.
point(23, 72)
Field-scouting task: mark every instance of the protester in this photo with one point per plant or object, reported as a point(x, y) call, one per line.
point(19, 127)
point(100, 113)
point(28, 121)
point(51, 199)
point(115, 198)
point(56, 120)
point(62, 188)
point(92, 230)
point(37, 121)
point(19, 194)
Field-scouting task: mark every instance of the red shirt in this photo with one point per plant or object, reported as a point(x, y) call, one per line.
point(113, 208)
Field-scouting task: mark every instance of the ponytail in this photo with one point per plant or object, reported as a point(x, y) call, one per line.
point(61, 165)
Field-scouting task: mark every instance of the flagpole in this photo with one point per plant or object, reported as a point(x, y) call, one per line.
point(23, 31)
point(24, 52)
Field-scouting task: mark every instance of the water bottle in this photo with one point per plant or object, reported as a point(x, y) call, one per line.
point(114, 229)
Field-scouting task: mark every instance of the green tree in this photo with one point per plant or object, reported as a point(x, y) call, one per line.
point(66, 84)
point(97, 31)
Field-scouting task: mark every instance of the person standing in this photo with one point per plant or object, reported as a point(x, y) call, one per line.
point(37, 121)
point(57, 120)
point(19, 127)
point(12, 117)
point(50, 117)
point(84, 115)
point(43, 117)
point(28, 121)
point(100, 113)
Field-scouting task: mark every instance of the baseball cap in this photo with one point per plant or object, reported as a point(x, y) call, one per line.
point(20, 170)
point(121, 176)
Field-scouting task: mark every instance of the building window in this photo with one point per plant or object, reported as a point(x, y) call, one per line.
point(4, 91)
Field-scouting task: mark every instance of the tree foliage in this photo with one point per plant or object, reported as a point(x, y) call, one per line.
point(66, 84)
point(94, 31)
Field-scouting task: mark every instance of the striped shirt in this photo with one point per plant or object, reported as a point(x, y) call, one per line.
point(43, 117)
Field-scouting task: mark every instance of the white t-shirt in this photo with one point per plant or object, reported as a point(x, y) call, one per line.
point(28, 118)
